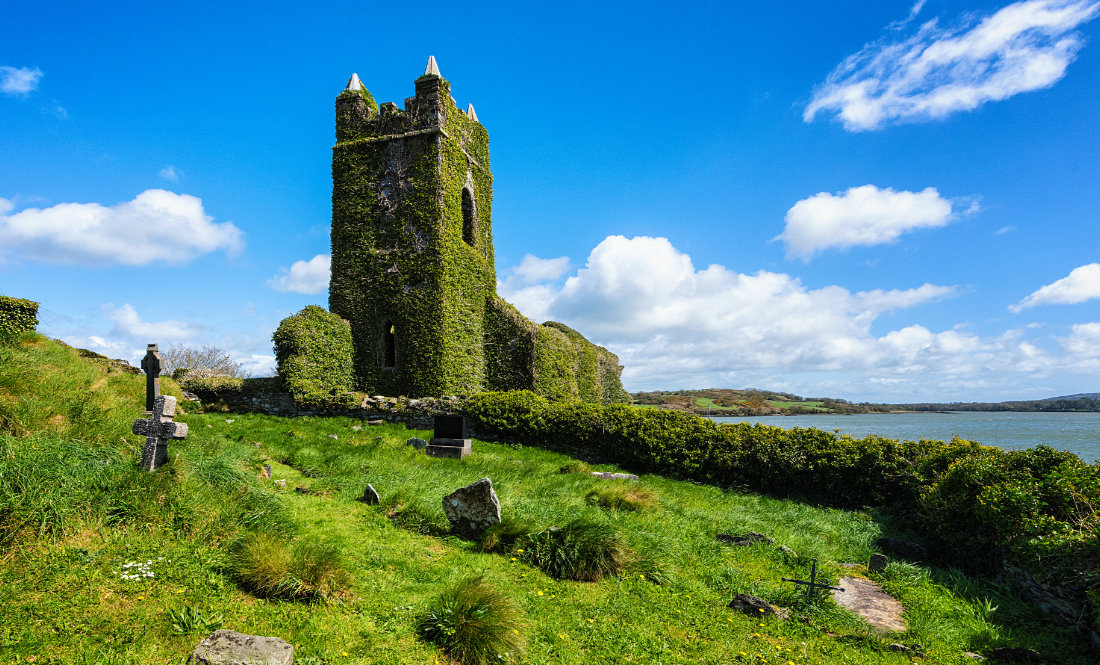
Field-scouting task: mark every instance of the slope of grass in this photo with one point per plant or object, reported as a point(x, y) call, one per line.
point(78, 518)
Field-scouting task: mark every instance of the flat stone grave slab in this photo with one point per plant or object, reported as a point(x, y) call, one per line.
point(869, 601)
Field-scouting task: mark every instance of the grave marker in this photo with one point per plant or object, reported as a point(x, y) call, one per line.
point(157, 429)
point(813, 584)
point(451, 438)
point(151, 364)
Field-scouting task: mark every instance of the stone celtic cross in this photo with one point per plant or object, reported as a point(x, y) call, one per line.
point(151, 364)
point(157, 429)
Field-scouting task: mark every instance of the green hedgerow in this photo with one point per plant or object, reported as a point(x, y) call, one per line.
point(266, 566)
point(582, 550)
point(474, 623)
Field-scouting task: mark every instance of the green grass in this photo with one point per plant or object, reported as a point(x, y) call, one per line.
point(74, 511)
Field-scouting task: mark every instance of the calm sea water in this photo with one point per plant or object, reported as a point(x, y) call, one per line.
point(1076, 432)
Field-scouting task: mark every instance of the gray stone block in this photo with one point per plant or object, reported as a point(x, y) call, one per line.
point(228, 647)
point(472, 509)
point(454, 448)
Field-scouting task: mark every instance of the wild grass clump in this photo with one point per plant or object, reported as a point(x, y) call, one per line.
point(575, 466)
point(407, 511)
point(582, 550)
point(506, 535)
point(622, 496)
point(474, 623)
point(266, 566)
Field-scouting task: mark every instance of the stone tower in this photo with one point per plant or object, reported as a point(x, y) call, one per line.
point(412, 239)
point(412, 260)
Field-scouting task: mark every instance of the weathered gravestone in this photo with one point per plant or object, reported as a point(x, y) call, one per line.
point(451, 438)
point(228, 647)
point(472, 509)
point(151, 364)
point(157, 429)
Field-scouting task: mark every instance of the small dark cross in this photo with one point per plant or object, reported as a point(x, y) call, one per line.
point(813, 583)
point(157, 430)
point(151, 364)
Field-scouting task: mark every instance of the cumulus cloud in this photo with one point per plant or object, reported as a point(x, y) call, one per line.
point(308, 277)
point(1081, 284)
point(19, 81)
point(128, 324)
point(861, 216)
point(1083, 346)
point(941, 70)
point(170, 173)
point(532, 269)
point(157, 225)
point(676, 325)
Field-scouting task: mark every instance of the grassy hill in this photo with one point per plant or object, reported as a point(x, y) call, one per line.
point(218, 544)
point(748, 402)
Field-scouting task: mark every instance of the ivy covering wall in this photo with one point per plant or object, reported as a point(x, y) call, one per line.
point(413, 266)
point(313, 351)
point(17, 315)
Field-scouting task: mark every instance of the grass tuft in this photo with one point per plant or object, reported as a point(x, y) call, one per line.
point(474, 623)
point(622, 496)
point(506, 535)
point(266, 566)
point(582, 550)
point(575, 466)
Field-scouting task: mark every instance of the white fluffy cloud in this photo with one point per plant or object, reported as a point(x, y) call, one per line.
point(157, 225)
point(675, 325)
point(1081, 284)
point(859, 216)
point(128, 324)
point(304, 276)
point(19, 80)
point(941, 70)
point(532, 269)
point(169, 173)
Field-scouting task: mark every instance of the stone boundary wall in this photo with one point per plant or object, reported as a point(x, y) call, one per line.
point(413, 413)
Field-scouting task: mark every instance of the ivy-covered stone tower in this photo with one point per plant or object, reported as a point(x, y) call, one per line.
point(412, 253)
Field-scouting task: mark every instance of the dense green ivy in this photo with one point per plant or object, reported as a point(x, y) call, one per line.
point(16, 316)
point(314, 356)
point(413, 266)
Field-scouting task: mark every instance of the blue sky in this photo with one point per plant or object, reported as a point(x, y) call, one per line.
point(887, 201)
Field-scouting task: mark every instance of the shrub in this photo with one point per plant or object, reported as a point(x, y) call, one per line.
point(313, 350)
point(582, 550)
point(474, 624)
point(266, 566)
point(17, 316)
point(513, 415)
point(575, 466)
point(180, 360)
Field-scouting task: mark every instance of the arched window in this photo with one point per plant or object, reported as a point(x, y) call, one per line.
point(468, 216)
point(389, 346)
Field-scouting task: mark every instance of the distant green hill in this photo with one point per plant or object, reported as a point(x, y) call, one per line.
point(748, 402)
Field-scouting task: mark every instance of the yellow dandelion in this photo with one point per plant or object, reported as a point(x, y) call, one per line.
point(520, 551)
point(515, 631)
point(513, 558)
point(343, 653)
point(590, 620)
point(540, 593)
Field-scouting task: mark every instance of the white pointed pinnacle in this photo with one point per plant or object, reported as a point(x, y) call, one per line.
point(471, 113)
point(354, 84)
point(432, 69)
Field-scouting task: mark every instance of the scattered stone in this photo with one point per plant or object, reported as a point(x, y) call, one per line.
point(903, 548)
point(257, 444)
point(376, 422)
point(867, 599)
point(607, 475)
point(788, 551)
point(228, 647)
point(333, 437)
point(281, 483)
point(1016, 655)
point(898, 647)
point(370, 496)
point(228, 420)
point(878, 563)
point(303, 490)
point(973, 656)
point(267, 470)
point(757, 607)
point(472, 509)
point(419, 444)
point(748, 539)
point(356, 427)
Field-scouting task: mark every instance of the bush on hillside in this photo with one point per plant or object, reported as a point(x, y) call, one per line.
point(17, 316)
point(313, 350)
